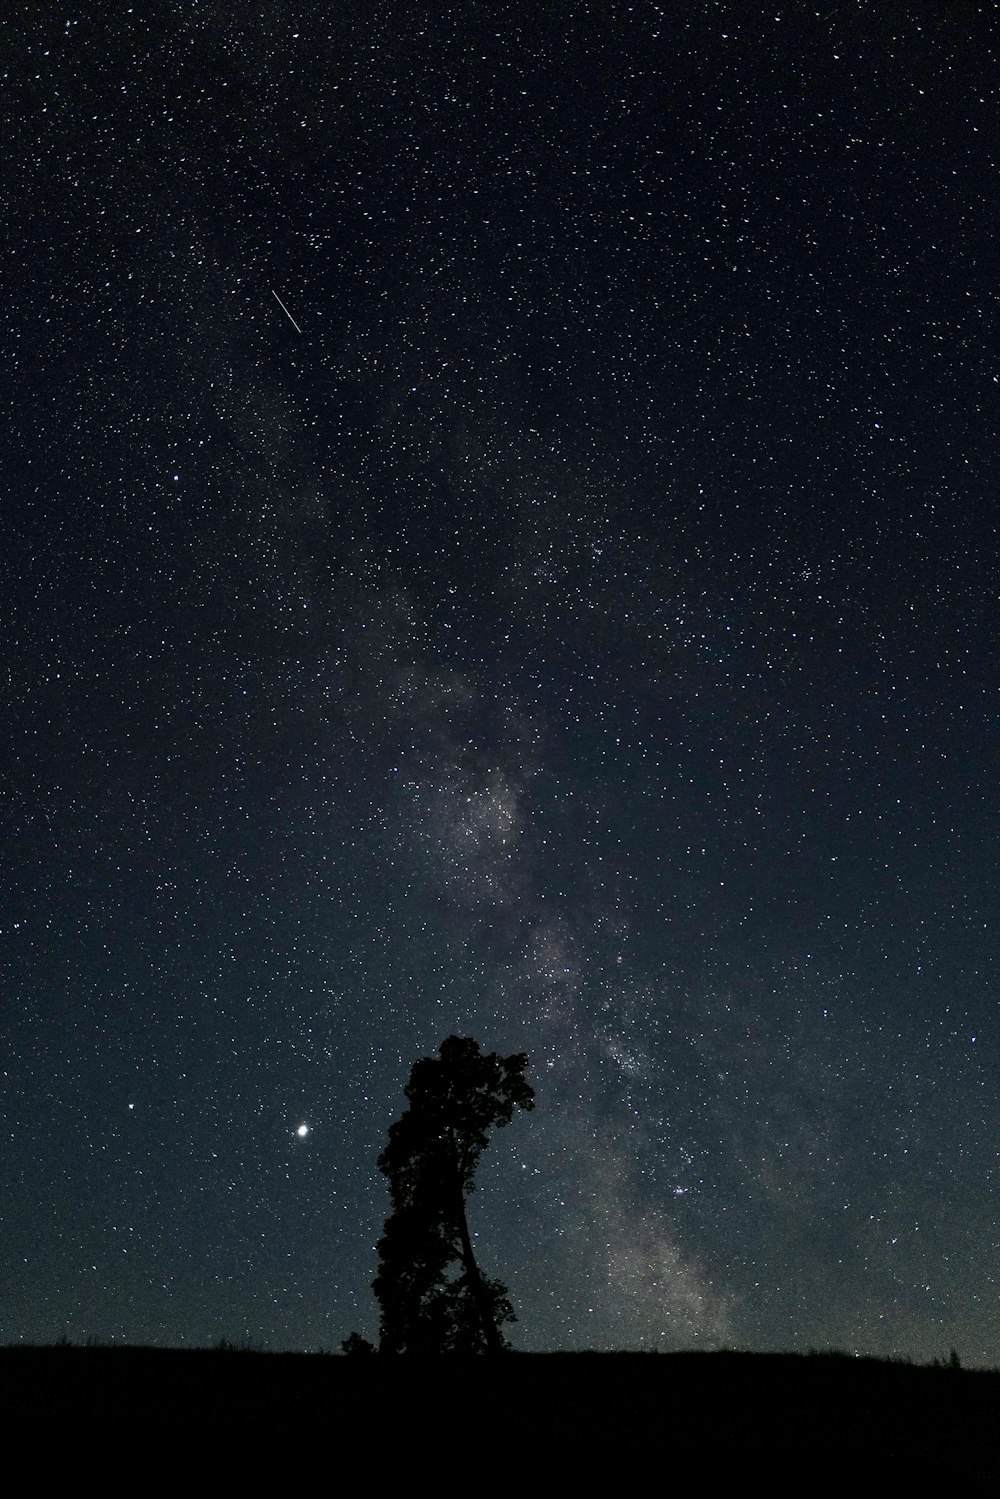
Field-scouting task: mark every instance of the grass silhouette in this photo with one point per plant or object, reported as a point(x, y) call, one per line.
point(697, 1417)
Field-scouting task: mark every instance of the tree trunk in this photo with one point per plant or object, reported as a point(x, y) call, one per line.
point(491, 1333)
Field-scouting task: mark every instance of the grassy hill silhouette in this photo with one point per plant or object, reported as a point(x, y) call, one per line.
point(815, 1420)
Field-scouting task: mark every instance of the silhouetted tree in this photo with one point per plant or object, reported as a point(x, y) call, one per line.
point(432, 1294)
point(355, 1345)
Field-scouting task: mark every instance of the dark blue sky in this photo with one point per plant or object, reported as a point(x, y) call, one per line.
point(580, 635)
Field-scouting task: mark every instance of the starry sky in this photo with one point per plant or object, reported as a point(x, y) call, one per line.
point(500, 538)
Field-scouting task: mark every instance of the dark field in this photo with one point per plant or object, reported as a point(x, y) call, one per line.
point(810, 1423)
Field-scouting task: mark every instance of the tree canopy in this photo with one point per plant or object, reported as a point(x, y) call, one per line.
point(432, 1295)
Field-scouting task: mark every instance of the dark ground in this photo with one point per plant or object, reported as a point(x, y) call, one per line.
point(806, 1423)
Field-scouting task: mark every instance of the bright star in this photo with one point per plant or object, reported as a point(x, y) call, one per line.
point(302, 1131)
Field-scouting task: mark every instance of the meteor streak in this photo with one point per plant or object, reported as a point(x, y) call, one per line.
point(285, 310)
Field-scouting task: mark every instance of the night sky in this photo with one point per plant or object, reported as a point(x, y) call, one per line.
point(568, 620)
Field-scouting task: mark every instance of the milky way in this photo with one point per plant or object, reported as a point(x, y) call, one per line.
point(574, 628)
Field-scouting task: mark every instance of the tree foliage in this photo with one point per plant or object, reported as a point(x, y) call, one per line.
point(432, 1294)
